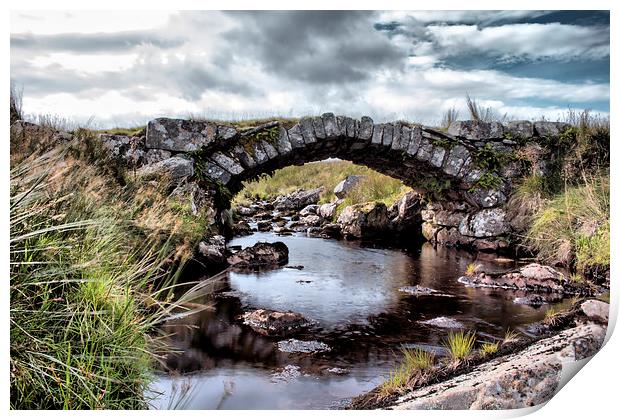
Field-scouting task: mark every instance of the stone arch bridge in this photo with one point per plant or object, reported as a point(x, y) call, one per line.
point(415, 154)
point(468, 169)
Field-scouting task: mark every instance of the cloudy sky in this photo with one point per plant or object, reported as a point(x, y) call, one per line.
point(124, 68)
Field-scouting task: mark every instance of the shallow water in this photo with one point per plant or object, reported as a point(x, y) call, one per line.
point(352, 292)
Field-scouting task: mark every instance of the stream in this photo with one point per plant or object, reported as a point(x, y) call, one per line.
point(353, 293)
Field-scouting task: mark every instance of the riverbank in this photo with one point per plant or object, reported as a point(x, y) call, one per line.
point(523, 373)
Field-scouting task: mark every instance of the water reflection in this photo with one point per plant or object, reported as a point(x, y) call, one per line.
point(353, 293)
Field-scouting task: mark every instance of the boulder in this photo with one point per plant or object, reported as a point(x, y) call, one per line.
point(310, 220)
point(520, 129)
point(129, 150)
point(331, 230)
point(347, 184)
point(309, 209)
point(298, 200)
point(485, 223)
point(275, 323)
point(177, 168)
point(328, 211)
point(364, 220)
point(245, 211)
point(533, 276)
point(156, 155)
point(476, 130)
point(549, 128)
point(178, 135)
point(263, 225)
point(406, 212)
point(213, 249)
point(241, 228)
point(260, 255)
point(488, 198)
point(596, 310)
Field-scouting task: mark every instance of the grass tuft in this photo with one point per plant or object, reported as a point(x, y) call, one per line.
point(488, 349)
point(460, 344)
point(472, 269)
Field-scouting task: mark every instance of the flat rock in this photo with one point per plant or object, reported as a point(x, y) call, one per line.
point(288, 373)
point(535, 300)
point(524, 379)
point(298, 346)
point(422, 291)
point(533, 276)
point(176, 168)
point(178, 135)
point(275, 323)
point(443, 322)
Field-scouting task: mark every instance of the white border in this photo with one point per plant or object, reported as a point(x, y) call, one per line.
point(591, 394)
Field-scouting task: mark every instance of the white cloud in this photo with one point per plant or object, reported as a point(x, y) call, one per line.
point(523, 41)
point(86, 21)
point(219, 70)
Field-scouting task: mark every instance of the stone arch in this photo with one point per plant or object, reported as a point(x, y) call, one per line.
point(412, 153)
point(463, 160)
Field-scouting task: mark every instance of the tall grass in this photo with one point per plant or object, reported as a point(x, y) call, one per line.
point(573, 228)
point(479, 113)
point(460, 344)
point(89, 264)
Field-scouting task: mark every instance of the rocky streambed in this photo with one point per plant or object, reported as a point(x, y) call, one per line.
point(313, 321)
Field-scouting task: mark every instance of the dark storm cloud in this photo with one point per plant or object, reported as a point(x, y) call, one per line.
point(93, 43)
point(315, 47)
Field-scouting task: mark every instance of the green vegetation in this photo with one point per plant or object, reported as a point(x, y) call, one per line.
point(460, 344)
point(472, 269)
point(488, 349)
point(374, 187)
point(414, 361)
point(132, 131)
point(90, 261)
point(270, 135)
point(573, 227)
